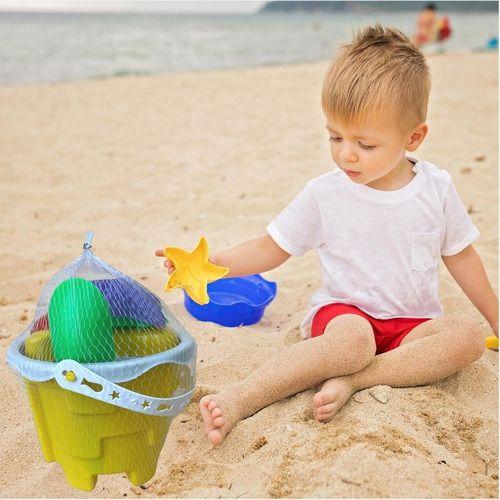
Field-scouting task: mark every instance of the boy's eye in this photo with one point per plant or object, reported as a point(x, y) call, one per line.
point(335, 139)
point(365, 146)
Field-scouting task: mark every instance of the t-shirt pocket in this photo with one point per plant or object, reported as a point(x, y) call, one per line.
point(424, 250)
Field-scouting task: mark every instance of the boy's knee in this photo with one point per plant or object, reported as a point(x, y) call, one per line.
point(470, 335)
point(364, 346)
point(359, 334)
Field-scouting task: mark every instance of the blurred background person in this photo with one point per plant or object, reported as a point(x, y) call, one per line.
point(431, 27)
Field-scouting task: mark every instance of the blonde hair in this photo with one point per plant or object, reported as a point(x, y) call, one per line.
point(381, 71)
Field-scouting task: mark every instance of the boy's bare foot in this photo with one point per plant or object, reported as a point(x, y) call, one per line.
point(333, 395)
point(217, 418)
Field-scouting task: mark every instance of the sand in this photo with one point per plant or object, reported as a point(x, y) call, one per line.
point(152, 161)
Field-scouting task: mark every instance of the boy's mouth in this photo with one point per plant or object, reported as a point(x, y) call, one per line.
point(351, 173)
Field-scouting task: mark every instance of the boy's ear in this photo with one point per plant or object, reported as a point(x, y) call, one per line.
point(417, 136)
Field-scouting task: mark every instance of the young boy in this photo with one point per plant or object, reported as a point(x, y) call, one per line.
point(380, 222)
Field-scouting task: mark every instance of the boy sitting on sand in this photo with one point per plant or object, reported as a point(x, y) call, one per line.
point(380, 222)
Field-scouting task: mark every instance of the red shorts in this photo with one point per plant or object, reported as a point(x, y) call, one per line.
point(388, 333)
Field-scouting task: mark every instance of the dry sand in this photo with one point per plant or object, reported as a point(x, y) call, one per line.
point(151, 161)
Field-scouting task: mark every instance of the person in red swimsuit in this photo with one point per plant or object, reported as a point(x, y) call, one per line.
point(426, 26)
point(430, 27)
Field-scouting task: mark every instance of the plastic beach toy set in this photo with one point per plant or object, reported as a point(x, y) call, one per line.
point(107, 366)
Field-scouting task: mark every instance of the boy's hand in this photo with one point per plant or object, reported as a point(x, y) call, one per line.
point(168, 263)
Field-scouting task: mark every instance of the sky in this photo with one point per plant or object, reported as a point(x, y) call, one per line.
point(201, 6)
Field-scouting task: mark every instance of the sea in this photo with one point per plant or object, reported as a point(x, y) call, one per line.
point(59, 47)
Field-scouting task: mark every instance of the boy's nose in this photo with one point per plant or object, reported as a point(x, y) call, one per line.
point(348, 155)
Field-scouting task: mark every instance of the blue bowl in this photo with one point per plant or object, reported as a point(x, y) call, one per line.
point(234, 301)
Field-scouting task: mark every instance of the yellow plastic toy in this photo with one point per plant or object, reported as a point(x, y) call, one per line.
point(103, 414)
point(492, 342)
point(193, 271)
point(88, 437)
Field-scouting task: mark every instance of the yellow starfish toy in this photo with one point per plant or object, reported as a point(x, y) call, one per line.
point(193, 271)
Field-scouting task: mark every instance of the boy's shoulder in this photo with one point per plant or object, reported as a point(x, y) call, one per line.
point(432, 170)
point(439, 177)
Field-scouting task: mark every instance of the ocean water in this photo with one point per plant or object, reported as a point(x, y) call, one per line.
point(53, 47)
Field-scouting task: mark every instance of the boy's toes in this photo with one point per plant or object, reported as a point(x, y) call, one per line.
point(333, 396)
point(216, 421)
point(325, 417)
point(325, 408)
point(206, 417)
point(216, 412)
point(215, 436)
point(319, 400)
point(205, 412)
point(204, 406)
point(219, 421)
point(205, 400)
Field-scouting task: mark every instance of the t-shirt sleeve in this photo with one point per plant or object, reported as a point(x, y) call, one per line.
point(460, 230)
point(297, 228)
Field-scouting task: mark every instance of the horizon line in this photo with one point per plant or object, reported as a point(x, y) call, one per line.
point(132, 6)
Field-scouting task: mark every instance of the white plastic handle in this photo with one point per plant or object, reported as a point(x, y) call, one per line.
point(74, 377)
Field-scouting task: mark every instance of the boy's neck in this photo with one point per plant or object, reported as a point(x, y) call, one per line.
point(397, 178)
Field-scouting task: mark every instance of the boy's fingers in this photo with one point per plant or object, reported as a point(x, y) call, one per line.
point(170, 267)
point(168, 264)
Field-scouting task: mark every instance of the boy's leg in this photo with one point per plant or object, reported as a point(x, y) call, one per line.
point(430, 352)
point(346, 346)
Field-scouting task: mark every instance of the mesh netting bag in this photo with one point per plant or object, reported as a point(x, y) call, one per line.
point(106, 366)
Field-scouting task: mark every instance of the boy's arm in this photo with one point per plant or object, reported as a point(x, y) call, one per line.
point(251, 257)
point(468, 271)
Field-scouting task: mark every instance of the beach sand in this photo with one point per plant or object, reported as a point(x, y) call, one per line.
point(152, 161)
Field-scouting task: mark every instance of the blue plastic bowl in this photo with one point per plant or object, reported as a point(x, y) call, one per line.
point(234, 301)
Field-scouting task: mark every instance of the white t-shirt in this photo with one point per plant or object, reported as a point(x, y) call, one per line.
point(378, 250)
